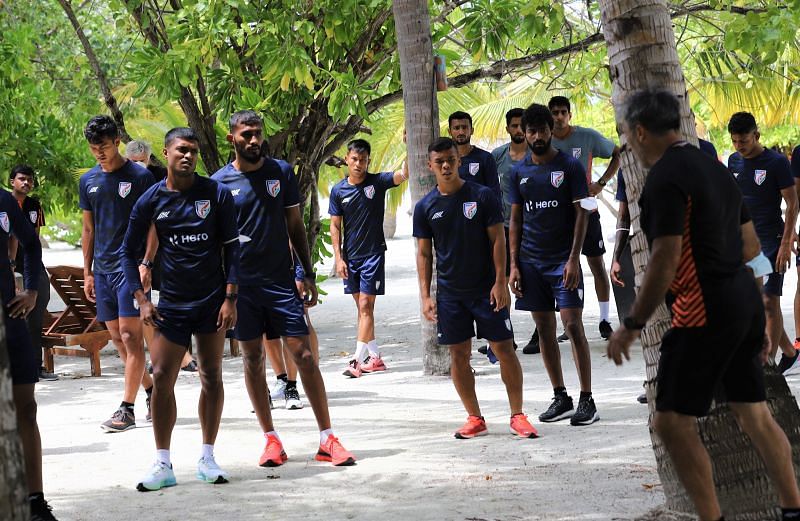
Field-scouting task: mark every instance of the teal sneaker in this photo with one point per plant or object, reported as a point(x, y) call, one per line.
point(209, 471)
point(159, 476)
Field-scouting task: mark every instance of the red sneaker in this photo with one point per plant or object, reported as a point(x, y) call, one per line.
point(353, 369)
point(475, 426)
point(273, 455)
point(334, 452)
point(373, 364)
point(520, 426)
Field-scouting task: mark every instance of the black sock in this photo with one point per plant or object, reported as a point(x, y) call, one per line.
point(283, 377)
point(559, 390)
point(126, 405)
point(790, 513)
point(291, 384)
point(36, 497)
point(149, 391)
point(585, 395)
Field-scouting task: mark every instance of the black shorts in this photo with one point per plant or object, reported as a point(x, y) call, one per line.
point(21, 356)
point(593, 245)
point(697, 363)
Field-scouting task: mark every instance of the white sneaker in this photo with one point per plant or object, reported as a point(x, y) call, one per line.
point(293, 400)
point(278, 391)
point(209, 471)
point(159, 476)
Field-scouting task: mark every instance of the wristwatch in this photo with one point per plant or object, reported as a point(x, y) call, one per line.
point(601, 182)
point(631, 324)
point(231, 296)
point(147, 264)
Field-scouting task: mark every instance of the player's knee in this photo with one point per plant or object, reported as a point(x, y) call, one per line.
point(305, 360)
point(574, 327)
point(253, 359)
point(460, 356)
point(128, 338)
point(211, 378)
point(366, 306)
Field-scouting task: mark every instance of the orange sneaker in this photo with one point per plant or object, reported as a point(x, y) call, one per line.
point(373, 364)
point(334, 452)
point(520, 426)
point(475, 426)
point(273, 455)
point(353, 369)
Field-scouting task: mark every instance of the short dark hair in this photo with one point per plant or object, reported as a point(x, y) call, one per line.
point(245, 117)
point(184, 133)
point(100, 128)
point(742, 123)
point(459, 114)
point(21, 169)
point(559, 101)
point(513, 113)
point(657, 110)
point(359, 146)
point(537, 115)
point(441, 144)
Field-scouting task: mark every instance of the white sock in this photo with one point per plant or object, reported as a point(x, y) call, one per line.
point(208, 451)
point(323, 435)
point(374, 351)
point(162, 455)
point(271, 433)
point(603, 311)
point(361, 347)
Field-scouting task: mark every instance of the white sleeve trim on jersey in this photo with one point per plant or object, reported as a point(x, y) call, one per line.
point(292, 206)
point(588, 203)
point(231, 240)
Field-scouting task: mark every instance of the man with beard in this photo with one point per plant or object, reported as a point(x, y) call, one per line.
point(549, 202)
point(477, 165)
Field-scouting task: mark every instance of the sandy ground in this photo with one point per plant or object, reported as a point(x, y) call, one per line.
point(399, 424)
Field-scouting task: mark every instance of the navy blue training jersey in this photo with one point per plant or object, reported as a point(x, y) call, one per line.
point(546, 193)
point(110, 197)
point(796, 162)
point(192, 227)
point(361, 208)
point(13, 222)
point(708, 147)
point(621, 196)
point(261, 198)
point(480, 167)
point(457, 224)
point(761, 180)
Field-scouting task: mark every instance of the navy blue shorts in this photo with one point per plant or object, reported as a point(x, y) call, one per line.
point(365, 275)
point(543, 288)
point(114, 297)
point(178, 325)
point(773, 283)
point(274, 309)
point(457, 317)
point(593, 245)
point(22, 359)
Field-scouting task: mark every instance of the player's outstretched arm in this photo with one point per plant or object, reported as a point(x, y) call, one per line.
point(401, 176)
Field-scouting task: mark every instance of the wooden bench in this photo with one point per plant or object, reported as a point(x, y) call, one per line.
point(77, 325)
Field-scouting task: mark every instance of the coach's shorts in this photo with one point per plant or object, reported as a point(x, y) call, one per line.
point(22, 359)
point(365, 275)
point(178, 325)
point(593, 245)
point(543, 288)
point(114, 297)
point(698, 362)
point(457, 317)
point(275, 310)
point(773, 283)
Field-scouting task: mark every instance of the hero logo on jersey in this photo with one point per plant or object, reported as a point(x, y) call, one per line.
point(34, 215)
point(556, 178)
point(470, 209)
point(124, 189)
point(760, 176)
point(203, 208)
point(4, 221)
point(369, 192)
point(273, 187)
point(576, 153)
point(474, 168)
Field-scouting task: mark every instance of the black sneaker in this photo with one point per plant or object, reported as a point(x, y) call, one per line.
point(191, 367)
point(483, 349)
point(44, 375)
point(787, 362)
point(642, 398)
point(149, 368)
point(586, 414)
point(560, 409)
point(120, 421)
point(562, 337)
point(40, 510)
point(532, 348)
point(149, 416)
point(605, 329)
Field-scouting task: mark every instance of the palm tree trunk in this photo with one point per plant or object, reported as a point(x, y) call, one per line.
point(642, 54)
point(412, 24)
point(13, 506)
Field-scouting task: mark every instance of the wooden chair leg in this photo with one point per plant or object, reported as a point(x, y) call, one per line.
point(47, 357)
point(234, 347)
point(94, 357)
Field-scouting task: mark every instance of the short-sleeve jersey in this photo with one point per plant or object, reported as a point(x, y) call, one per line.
point(192, 227)
point(361, 207)
point(547, 193)
point(110, 197)
point(584, 144)
point(796, 162)
point(689, 194)
point(502, 157)
point(457, 224)
point(479, 167)
point(621, 195)
point(261, 198)
point(708, 147)
point(13, 222)
point(32, 210)
point(761, 180)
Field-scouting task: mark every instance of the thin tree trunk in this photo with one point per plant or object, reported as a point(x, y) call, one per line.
point(642, 54)
point(13, 506)
point(412, 24)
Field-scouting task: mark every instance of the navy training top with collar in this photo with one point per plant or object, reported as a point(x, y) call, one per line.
point(457, 224)
point(546, 194)
point(261, 198)
point(193, 227)
point(796, 162)
point(502, 158)
point(13, 222)
point(761, 180)
point(479, 167)
point(708, 147)
point(361, 207)
point(110, 197)
point(32, 209)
